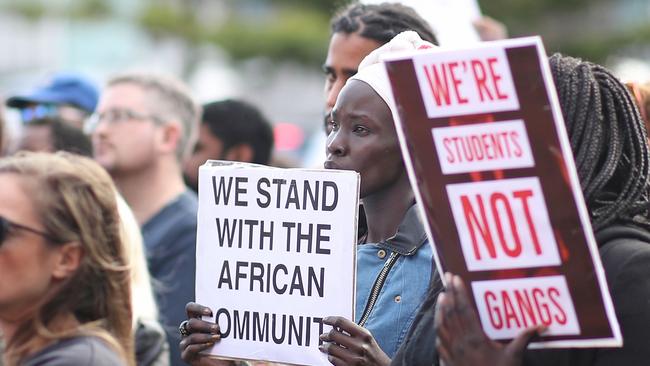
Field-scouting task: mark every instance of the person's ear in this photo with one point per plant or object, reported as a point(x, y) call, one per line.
point(171, 137)
point(241, 152)
point(68, 259)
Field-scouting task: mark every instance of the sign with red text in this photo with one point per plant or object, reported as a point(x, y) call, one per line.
point(488, 155)
point(275, 254)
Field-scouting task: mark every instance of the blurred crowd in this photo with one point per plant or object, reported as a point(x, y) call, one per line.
point(98, 203)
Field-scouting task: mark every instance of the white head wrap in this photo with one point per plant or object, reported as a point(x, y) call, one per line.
point(372, 72)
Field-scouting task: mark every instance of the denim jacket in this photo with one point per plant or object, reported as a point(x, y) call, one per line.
point(404, 287)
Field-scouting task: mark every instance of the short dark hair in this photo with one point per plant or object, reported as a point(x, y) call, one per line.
point(235, 122)
point(381, 22)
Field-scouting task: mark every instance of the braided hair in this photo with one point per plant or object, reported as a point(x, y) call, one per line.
point(608, 139)
point(381, 22)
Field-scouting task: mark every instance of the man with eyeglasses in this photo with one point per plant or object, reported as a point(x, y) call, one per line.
point(140, 132)
point(67, 96)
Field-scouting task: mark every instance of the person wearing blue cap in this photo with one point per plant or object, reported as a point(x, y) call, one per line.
point(65, 95)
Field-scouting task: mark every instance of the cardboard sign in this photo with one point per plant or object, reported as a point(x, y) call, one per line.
point(488, 155)
point(275, 255)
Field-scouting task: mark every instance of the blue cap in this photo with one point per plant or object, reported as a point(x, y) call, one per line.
point(63, 88)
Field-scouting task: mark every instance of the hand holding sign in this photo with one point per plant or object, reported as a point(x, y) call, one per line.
point(351, 344)
point(462, 341)
point(203, 335)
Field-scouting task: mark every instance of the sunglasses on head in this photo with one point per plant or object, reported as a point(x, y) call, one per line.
point(38, 111)
point(7, 226)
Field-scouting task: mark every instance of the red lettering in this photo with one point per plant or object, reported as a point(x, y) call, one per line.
point(514, 136)
point(460, 156)
point(439, 90)
point(503, 137)
point(485, 138)
point(545, 316)
point(450, 154)
point(517, 308)
point(495, 78)
point(553, 293)
point(484, 146)
point(523, 196)
point(525, 307)
point(498, 149)
point(494, 199)
point(509, 310)
point(457, 82)
point(481, 79)
point(477, 147)
point(493, 310)
point(473, 224)
point(467, 149)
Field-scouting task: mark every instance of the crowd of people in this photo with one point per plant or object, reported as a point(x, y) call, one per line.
point(98, 205)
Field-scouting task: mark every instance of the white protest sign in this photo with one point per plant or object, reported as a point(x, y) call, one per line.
point(275, 255)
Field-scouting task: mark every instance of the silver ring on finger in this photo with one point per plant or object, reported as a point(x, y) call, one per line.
point(182, 329)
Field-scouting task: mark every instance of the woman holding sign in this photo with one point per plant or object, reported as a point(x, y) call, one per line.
point(394, 259)
point(608, 139)
point(363, 138)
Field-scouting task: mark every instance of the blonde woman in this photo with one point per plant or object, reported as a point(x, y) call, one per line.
point(65, 296)
point(151, 347)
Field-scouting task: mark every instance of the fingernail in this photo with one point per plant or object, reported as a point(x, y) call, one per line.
point(323, 336)
point(327, 319)
point(457, 280)
point(322, 348)
point(214, 328)
point(216, 337)
point(207, 311)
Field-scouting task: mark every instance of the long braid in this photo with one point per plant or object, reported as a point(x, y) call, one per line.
point(608, 140)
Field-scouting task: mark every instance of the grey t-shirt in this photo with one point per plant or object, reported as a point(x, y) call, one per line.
point(78, 351)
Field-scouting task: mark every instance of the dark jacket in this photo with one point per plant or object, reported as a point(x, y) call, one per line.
point(170, 243)
point(151, 348)
point(625, 253)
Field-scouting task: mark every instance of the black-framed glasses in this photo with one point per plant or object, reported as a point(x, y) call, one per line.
point(7, 226)
point(118, 115)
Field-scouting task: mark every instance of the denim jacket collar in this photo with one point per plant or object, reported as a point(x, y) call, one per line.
point(410, 234)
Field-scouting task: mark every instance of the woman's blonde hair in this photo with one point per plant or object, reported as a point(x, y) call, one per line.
point(76, 202)
point(143, 302)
